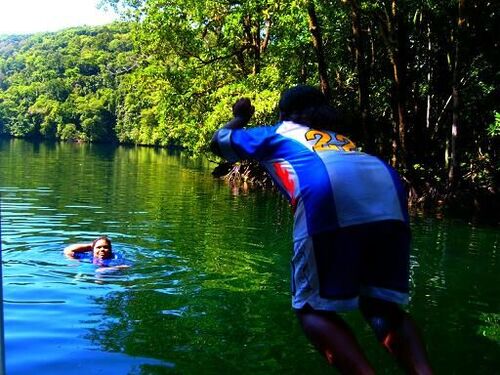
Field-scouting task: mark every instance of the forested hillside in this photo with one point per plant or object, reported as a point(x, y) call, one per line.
point(64, 85)
point(417, 82)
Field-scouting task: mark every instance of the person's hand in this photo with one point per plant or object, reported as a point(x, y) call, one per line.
point(242, 111)
point(243, 108)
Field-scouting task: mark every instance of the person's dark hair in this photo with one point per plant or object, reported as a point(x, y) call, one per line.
point(307, 105)
point(105, 238)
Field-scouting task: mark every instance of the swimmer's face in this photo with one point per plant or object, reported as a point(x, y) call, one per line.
point(102, 249)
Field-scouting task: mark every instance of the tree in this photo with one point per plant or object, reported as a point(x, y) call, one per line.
point(317, 42)
point(415, 82)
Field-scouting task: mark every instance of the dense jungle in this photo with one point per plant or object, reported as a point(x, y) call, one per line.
point(416, 83)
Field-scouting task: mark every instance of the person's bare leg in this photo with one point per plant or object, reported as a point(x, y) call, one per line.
point(331, 335)
point(407, 345)
point(398, 333)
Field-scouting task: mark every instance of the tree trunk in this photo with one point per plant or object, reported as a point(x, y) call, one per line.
point(394, 35)
point(400, 69)
point(363, 74)
point(251, 30)
point(429, 78)
point(256, 49)
point(315, 30)
point(453, 166)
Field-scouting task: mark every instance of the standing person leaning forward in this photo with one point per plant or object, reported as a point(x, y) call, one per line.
point(351, 228)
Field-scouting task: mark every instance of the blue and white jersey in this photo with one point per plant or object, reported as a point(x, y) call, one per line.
point(328, 183)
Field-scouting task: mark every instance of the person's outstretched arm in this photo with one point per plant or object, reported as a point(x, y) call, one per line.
point(71, 250)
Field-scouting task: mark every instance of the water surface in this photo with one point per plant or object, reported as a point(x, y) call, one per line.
point(208, 290)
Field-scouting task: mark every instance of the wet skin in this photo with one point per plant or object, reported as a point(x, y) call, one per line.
point(102, 250)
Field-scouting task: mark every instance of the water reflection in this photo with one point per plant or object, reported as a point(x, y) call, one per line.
point(208, 290)
point(453, 290)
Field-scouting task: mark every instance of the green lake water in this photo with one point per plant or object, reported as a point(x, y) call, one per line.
point(208, 290)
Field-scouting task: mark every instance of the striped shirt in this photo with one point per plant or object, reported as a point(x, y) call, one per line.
point(328, 183)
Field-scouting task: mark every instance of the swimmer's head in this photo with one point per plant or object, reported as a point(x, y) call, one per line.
point(101, 248)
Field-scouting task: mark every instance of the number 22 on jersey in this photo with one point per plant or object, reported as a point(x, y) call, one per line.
point(325, 142)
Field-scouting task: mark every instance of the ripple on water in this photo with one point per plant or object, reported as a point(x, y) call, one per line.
point(206, 277)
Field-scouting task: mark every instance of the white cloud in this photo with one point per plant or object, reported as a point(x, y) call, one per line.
point(31, 16)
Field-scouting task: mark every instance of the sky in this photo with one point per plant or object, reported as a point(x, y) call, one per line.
point(33, 16)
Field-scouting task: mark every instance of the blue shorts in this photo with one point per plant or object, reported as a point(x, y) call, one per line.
point(332, 269)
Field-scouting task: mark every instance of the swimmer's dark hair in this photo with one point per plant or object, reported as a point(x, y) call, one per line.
point(105, 238)
point(308, 106)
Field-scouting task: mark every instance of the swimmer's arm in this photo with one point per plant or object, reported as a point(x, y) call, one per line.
point(71, 250)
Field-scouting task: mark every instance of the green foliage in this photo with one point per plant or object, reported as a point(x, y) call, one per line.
point(494, 127)
point(490, 326)
point(62, 85)
point(69, 132)
point(198, 58)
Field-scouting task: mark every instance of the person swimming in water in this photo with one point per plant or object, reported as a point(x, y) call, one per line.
point(102, 252)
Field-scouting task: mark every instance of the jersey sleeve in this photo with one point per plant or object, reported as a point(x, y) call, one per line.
point(241, 144)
